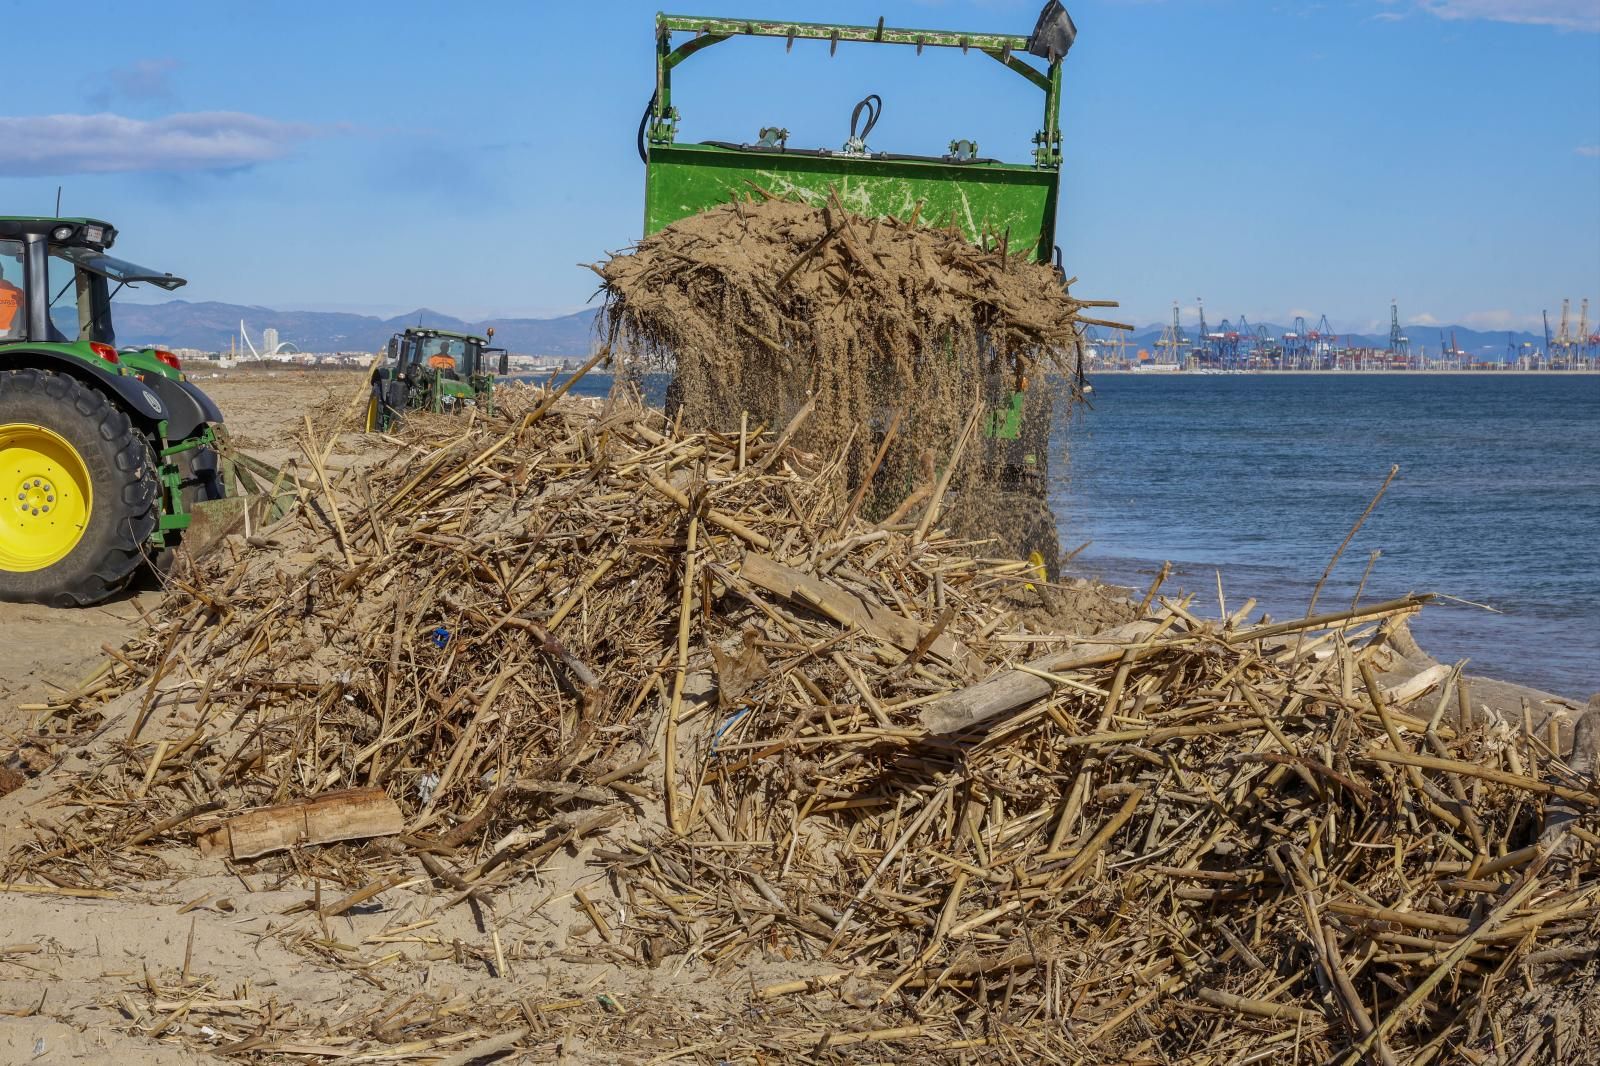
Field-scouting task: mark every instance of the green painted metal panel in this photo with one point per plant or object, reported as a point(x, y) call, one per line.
point(128, 363)
point(1005, 423)
point(982, 198)
point(74, 349)
point(145, 362)
point(835, 32)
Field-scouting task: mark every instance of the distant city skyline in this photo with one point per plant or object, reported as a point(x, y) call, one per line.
point(220, 326)
point(1189, 316)
point(1297, 158)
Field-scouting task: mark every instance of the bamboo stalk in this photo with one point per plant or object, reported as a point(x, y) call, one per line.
point(669, 755)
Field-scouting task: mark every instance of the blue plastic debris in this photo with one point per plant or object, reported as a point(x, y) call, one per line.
point(733, 720)
point(441, 637)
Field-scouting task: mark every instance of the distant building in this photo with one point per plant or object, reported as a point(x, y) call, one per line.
point(269, 341)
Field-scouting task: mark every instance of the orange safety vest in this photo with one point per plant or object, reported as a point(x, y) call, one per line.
point(10, 304)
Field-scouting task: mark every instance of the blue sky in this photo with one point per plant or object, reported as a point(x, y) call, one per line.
point(1273, 158)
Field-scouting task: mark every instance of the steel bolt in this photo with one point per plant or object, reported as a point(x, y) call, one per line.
point(36, 510)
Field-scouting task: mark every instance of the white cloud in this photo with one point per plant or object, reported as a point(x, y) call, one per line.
point(1501, 319)
point(110, 144)
point(1591, 151)
point(1563, 14)
point(1423, 319)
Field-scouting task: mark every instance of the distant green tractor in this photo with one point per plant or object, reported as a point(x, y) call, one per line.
point(986, 198)
point(108, 456)
point(433, 370)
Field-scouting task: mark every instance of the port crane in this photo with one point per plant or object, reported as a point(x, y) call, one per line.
point(1589, 341)
point(1323, 344)
point(1227, 344)
point(1172, 341)
point(1399, 343)
point(1297, 346)
point(1267, 348)
point(1563, 341)
point(1244, 343)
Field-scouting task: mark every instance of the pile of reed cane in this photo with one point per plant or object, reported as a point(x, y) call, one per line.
point(792, 738)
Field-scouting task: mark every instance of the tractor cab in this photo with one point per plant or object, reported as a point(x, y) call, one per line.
point(57, 281)
point(457, 356)
point(438, 370)
point(113, 452)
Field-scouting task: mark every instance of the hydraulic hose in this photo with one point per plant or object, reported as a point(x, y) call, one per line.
point(644, 121)
point(872, 104)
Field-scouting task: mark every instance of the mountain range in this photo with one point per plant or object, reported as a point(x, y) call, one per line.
point(212, 326)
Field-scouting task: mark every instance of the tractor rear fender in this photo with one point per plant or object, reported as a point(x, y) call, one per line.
point(145, 406)
point(188, 408)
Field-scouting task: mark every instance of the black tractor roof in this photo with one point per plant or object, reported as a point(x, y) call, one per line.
point(84, 241)
point(93, 232)
point(428, 331)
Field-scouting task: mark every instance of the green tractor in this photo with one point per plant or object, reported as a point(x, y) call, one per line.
point(433, 370)
point(981, 195)
point(108, 457)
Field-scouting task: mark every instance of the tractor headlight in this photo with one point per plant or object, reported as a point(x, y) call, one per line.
point(61, 233)
point(94, 234)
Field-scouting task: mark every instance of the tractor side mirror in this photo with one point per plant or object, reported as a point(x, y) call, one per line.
point(490, 332)
point(505, 363)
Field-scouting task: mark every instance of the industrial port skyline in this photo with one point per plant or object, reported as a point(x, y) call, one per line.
point(1572, 343)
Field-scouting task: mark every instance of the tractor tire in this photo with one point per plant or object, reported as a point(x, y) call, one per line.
point(79, 493)
point(394, 401)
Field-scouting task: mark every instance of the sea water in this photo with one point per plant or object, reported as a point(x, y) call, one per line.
point(1260, 477)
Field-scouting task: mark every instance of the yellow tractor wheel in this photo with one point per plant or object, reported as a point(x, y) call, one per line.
point(48, 497)
point(79, 491)
point(372, 413)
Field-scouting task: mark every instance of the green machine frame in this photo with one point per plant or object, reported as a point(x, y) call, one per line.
point(987, 199)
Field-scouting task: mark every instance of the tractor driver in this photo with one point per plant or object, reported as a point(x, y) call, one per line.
point(11, 300)
point(442, 359)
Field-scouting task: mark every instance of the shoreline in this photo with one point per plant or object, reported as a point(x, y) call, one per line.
point(1342, 373)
